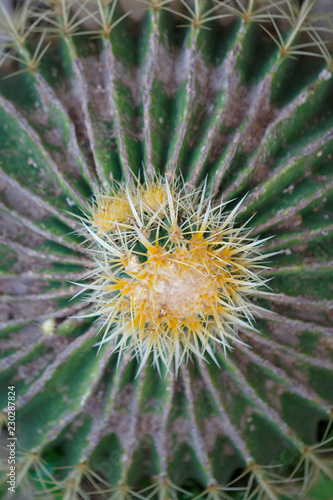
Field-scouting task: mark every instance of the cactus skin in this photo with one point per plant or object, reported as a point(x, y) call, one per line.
point(201, 102)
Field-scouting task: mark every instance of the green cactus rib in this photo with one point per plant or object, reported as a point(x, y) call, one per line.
point(223, 105)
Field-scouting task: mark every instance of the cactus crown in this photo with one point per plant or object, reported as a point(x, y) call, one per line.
point(171, 273)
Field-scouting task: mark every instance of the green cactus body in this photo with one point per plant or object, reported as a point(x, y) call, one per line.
point(225, 106)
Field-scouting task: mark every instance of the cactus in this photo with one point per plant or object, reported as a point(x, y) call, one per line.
point(111, 129)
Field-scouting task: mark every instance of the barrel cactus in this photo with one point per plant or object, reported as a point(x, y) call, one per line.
point(166, 251)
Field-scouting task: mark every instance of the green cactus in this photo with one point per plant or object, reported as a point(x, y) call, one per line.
point(239, 100)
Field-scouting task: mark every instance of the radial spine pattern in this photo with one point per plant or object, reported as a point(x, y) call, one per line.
point(172, 274)
point(139, 158)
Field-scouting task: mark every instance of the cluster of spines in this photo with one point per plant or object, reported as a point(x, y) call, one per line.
point(68, 18)
point(37, 479)
point(172, 273)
